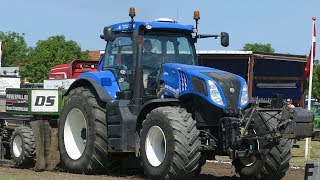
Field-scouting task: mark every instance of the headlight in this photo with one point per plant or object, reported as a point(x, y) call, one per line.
point(244, 95)
point(214, 93)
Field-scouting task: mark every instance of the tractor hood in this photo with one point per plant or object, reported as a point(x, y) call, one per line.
point(221, 88)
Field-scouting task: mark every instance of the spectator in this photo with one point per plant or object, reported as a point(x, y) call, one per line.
point(147, 46)
point(289, 103)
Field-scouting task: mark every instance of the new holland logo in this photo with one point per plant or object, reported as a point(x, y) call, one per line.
point(231, 90)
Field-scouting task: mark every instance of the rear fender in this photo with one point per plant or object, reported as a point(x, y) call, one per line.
point(103, 95)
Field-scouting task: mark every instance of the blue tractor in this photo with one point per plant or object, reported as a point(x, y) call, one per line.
point(150, 101)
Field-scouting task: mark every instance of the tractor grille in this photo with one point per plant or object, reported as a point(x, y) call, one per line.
point(226, 82)
point(183, 81)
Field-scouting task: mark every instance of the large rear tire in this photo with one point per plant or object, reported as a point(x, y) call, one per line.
point(275, 163)
point(82, 133)
point(22, 146)
point(169, 144)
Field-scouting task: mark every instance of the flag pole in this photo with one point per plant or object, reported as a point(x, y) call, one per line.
point(0, 52)
point(307, 148)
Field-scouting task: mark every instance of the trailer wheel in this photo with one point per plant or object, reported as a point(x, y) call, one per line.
point(275, 163)
point(82, 133)
point(22, 146)
point(169, 144)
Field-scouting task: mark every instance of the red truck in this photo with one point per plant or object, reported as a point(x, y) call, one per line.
point(73, 69)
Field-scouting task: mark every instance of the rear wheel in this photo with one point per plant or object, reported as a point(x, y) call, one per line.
point(22, 146)
point(169, 144)
point(82, 133)
point(275, 163)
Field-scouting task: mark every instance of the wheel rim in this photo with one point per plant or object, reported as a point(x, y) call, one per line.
point(155, 146)
point(17, 146)
point(75, 133)
point(250, 160)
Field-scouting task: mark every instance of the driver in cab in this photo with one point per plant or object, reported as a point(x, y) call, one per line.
point(149, 62)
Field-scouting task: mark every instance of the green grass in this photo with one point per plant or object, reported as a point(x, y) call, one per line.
point(298, 158)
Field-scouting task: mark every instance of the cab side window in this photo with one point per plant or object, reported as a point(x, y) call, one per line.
point(120, 52)
point(119, 60)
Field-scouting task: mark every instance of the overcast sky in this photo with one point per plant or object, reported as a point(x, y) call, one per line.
point(286, 24)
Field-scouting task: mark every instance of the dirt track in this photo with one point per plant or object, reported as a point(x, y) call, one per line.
point(212, 171)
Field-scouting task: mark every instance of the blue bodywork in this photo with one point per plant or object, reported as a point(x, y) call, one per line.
point(177, 80)
point(106, 79)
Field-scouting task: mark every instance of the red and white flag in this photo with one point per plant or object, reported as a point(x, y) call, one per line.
point(312, 50)
point(308, 74)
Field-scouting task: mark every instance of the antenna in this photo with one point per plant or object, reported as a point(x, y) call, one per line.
point(177, 15)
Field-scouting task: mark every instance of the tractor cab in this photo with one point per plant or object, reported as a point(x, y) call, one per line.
point(136, 52)
point(157, 47)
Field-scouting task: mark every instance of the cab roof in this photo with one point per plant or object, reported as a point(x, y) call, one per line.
point(127, 26)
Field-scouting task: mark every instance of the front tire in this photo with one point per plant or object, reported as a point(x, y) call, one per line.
point(22, 146)
point(82, 133)
point(275, 163)
point(169, 144)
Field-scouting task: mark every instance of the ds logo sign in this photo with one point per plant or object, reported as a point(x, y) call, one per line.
point(44, 100)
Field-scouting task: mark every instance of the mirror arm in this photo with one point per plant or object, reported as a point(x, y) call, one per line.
point(207, 36)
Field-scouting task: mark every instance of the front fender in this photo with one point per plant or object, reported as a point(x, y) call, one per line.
point(152, 104)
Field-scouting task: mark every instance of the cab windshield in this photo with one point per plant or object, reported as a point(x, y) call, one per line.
point(160, 48)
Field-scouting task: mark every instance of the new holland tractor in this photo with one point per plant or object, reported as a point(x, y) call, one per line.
point(149, 100)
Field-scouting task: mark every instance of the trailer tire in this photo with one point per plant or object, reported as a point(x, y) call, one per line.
point(82, 133)
point(23, 147)
point(275, 163)
point(169, 144)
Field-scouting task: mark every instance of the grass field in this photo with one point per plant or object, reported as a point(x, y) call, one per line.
point(298, 158)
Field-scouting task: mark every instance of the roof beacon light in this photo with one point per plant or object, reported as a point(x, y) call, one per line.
point(132, 12)
point(196, 15)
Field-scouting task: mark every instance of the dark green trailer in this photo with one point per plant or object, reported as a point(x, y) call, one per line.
point(28, 121)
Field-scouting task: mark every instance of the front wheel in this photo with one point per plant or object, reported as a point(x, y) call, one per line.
point(275, 162)
point(169, 144)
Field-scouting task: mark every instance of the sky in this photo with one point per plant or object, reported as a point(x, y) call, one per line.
point(285, 24)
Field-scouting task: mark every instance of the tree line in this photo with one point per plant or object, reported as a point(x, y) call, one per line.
point(35, 62)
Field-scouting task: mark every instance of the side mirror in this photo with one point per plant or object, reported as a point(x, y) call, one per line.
point(108, 34)
point(224, 39)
